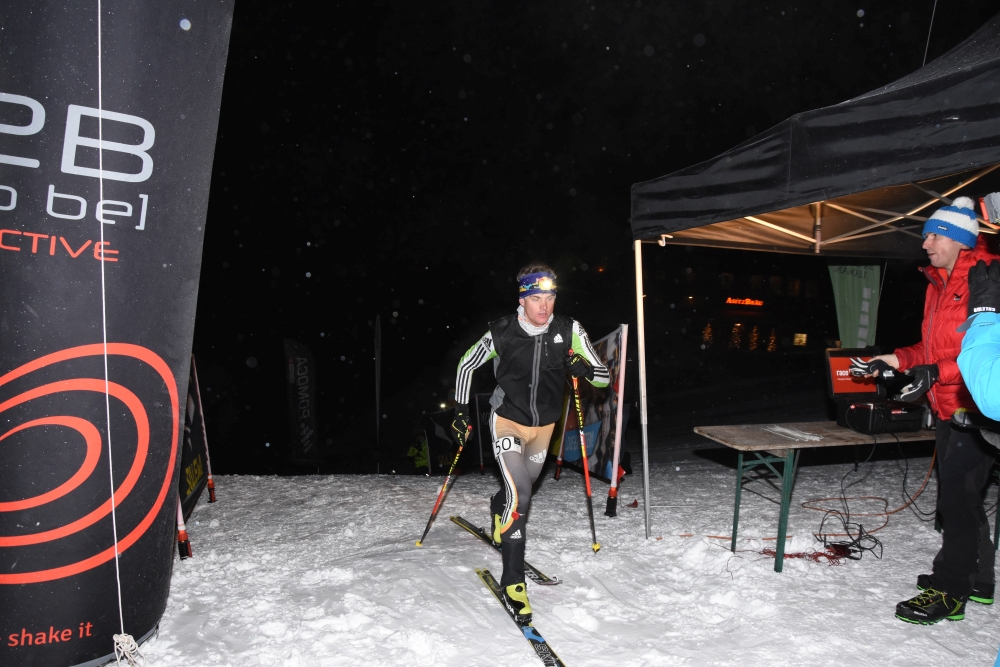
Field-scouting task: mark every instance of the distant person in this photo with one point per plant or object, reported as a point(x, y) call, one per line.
point(530, 351)
point(963, 569)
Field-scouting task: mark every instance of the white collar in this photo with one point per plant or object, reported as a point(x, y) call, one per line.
point(529, 328)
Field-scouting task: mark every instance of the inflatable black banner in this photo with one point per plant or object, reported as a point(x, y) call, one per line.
point(108, 117)
point(302, 422)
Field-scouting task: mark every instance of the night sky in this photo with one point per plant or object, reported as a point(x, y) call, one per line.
point(403, 161)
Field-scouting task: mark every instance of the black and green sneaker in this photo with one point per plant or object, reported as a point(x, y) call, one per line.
point(930, 607)
point(981, 592)
point(515, 597)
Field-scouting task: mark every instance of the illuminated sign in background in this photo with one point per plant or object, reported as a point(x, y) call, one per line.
point(744, 302)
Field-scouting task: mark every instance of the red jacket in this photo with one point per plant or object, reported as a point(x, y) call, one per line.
point(945, 307)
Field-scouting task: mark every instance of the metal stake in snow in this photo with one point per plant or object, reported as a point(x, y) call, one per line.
point(584, 464)
point(183, 541)
point(444, 487)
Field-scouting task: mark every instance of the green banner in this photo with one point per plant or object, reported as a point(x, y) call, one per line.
point(856, 292)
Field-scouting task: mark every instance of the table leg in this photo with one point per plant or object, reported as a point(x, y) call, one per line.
point(736, 507)
point(786, 498)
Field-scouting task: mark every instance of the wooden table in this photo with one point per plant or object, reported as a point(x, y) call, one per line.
point(779, 443)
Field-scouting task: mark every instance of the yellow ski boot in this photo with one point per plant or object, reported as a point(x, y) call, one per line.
point(515, 597)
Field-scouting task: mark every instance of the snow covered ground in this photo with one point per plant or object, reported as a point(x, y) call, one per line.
point(323, 571)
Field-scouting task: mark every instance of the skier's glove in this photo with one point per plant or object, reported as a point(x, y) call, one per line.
point(579, 367)
point(461, 425)
point(860, 368)
point(984, 288)
point(921, 379)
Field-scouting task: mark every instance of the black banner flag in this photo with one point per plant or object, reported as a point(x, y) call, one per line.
point(108, 118)
point(303, 429)
point(194, 453)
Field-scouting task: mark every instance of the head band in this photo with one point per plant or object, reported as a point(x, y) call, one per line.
point(542, 282)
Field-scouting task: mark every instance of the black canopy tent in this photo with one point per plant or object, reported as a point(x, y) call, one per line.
point(854, 179)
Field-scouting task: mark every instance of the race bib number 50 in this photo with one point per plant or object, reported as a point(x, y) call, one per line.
point(506, 444)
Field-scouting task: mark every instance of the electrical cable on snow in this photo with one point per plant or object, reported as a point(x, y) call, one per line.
point(861, 539)
point(919, 513)
point(126, 647)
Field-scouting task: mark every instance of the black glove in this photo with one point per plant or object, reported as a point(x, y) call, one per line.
point(461, 425)
point(984, 288)
point(921, 379)
point(579, 367)
point(860, 368)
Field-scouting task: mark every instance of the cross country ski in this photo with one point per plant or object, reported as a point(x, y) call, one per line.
point(530, 632)
point(532, 572)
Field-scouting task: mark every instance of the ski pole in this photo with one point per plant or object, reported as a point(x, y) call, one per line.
point(562, 443)
point(586, 466)
point(444, 488)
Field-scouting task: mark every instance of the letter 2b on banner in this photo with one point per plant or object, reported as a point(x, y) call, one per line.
point(73, 139)
point(103, 199)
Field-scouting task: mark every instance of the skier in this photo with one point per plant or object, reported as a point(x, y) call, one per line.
point(531, 355)
point(963, 569)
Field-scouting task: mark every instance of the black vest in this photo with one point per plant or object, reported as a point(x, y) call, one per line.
point(530, 370)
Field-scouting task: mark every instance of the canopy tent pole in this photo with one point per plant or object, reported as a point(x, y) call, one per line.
point(641, 327)
point(818, 225)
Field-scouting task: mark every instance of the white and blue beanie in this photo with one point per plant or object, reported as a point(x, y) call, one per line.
point(957, 222)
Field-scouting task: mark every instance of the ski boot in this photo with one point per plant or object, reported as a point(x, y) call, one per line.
point(515, 597)
point(981, 592)
point(930, 607)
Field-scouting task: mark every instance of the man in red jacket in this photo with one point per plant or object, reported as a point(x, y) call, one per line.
point(960, 572)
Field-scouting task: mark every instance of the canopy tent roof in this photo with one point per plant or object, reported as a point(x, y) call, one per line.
point(857, 178)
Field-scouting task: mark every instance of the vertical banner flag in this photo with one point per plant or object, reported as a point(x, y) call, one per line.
point(303, 431)
point(194, 452)
point(378, 388)
point(108, 117)
point(856, 294)
point(600, 414)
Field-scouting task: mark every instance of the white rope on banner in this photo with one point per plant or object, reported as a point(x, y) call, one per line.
point(929, 28)
point(125, 646)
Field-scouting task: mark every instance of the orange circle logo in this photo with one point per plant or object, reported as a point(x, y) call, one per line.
point(91, 434)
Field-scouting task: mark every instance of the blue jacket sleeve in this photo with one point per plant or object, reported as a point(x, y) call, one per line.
point(980, 363)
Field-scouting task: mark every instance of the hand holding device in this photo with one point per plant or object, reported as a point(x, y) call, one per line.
point(922, 377)
point(873, 368)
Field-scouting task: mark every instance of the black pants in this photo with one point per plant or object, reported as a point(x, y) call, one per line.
point(964, 464)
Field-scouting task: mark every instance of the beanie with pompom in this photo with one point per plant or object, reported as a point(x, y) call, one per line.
point(957, 222)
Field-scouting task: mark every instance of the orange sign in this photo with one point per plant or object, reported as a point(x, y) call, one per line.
point(844, 383)
point(744, 302)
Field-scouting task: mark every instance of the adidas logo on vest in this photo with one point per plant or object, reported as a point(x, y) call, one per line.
point(516, 535)
point(557, 339)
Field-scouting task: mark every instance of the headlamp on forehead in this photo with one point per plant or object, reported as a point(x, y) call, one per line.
point(542, 282)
